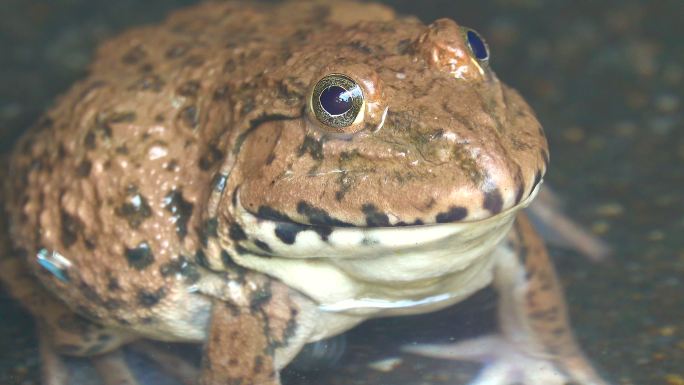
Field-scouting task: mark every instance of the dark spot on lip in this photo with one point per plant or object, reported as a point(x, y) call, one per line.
point(140, 257)
point(287, 232)
point(454, 214)
point(209, 230)
point(201, 258)
point(236, 233)
point(493, 202)
point(374, 217)
point(262, 245)
point(181, 211)
point(269, 213)
point(317, 216)
point(134, 55)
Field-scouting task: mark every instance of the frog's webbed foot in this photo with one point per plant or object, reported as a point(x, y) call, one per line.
point(506, 364)
point(536, 344)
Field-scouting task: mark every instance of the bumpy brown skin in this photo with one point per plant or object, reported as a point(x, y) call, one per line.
point(133, 174)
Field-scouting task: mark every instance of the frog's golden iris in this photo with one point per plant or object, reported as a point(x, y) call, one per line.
point(337, 101)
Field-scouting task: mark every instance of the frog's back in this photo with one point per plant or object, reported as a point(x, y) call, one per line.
point(115, 177)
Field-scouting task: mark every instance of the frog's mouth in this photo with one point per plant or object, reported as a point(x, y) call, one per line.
point(373, 268)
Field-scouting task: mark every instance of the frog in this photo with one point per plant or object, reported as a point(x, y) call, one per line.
point(257, 177)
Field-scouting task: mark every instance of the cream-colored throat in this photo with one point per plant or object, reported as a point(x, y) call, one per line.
point(381, 271)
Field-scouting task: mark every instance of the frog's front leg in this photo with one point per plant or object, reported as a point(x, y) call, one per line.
point(535, 345)
point(256, 328)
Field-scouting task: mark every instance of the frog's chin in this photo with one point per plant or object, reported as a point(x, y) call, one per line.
point(375, 270)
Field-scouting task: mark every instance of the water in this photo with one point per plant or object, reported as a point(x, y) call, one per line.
point(605, 79)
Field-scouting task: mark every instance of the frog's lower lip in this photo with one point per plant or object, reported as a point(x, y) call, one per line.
point(267, 236)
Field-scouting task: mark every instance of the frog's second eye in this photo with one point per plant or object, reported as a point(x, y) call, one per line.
point(336, 101)
point(477, 45)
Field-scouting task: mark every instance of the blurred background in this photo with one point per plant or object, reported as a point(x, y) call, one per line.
point(606, 81)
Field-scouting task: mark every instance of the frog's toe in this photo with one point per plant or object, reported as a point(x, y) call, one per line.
point(506, 363)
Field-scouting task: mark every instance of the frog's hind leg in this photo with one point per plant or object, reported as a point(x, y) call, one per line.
point(535, 345)
point(62, 332)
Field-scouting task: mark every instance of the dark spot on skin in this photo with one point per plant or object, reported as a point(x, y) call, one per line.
point(317, 216)
point(417, 222)
point(221, 93)
point(189, 89)
point(211, 227)
point(454, 214)
point(210, 158)
point(113, 284)
point(374, 217)
point(176, 51)
point(231, 266)
point(262, 245)
point(201, 258)
point(258, 364)
point(134, 55)
point(493, 202)
point(83, 168)
point(259, 298)
point(71, 227)
point(149, 82)
point(287, 232)
point(537, 179)
point(362, 47)
point(271, 157)
point(219, 182)
point(181, 211)
point(403, 46)
point(122, 150)
point(269, 213)
point(172, 165)
point(140, 257)
point(189, 116)
point(194, 61)
point(180, 266)
point(311, 146)
point(236, 232)
point(150, 298)
point(135, 210)
point(89, 140)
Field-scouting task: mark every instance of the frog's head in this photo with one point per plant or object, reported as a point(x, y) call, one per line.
point(397, 126)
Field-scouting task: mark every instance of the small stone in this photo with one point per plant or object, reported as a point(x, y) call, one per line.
point(667, 103)
point(600, 227)
point(655, 235)
point(667, 331)
point(674, 379)
point(574, 134)
point(385, 365)
point(610, 210)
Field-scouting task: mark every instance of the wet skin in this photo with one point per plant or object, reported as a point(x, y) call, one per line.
point(196, 187)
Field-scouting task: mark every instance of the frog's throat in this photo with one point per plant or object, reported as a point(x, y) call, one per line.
point(381, 270)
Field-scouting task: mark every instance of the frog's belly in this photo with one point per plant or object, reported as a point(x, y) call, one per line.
point(369, 272)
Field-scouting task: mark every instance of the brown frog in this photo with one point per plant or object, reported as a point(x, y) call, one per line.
point(258, 177)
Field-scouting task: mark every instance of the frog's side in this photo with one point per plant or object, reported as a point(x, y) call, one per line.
point(162, 194)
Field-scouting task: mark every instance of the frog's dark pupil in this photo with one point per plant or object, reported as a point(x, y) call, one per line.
point(335, 100)
point(477, 45)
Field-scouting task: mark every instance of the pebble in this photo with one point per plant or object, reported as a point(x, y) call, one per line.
point(610, 210)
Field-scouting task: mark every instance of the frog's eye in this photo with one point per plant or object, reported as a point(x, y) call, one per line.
point(337, 101)
point(477, 45)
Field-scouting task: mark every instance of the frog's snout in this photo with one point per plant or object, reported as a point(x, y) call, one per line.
point(444, 46)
